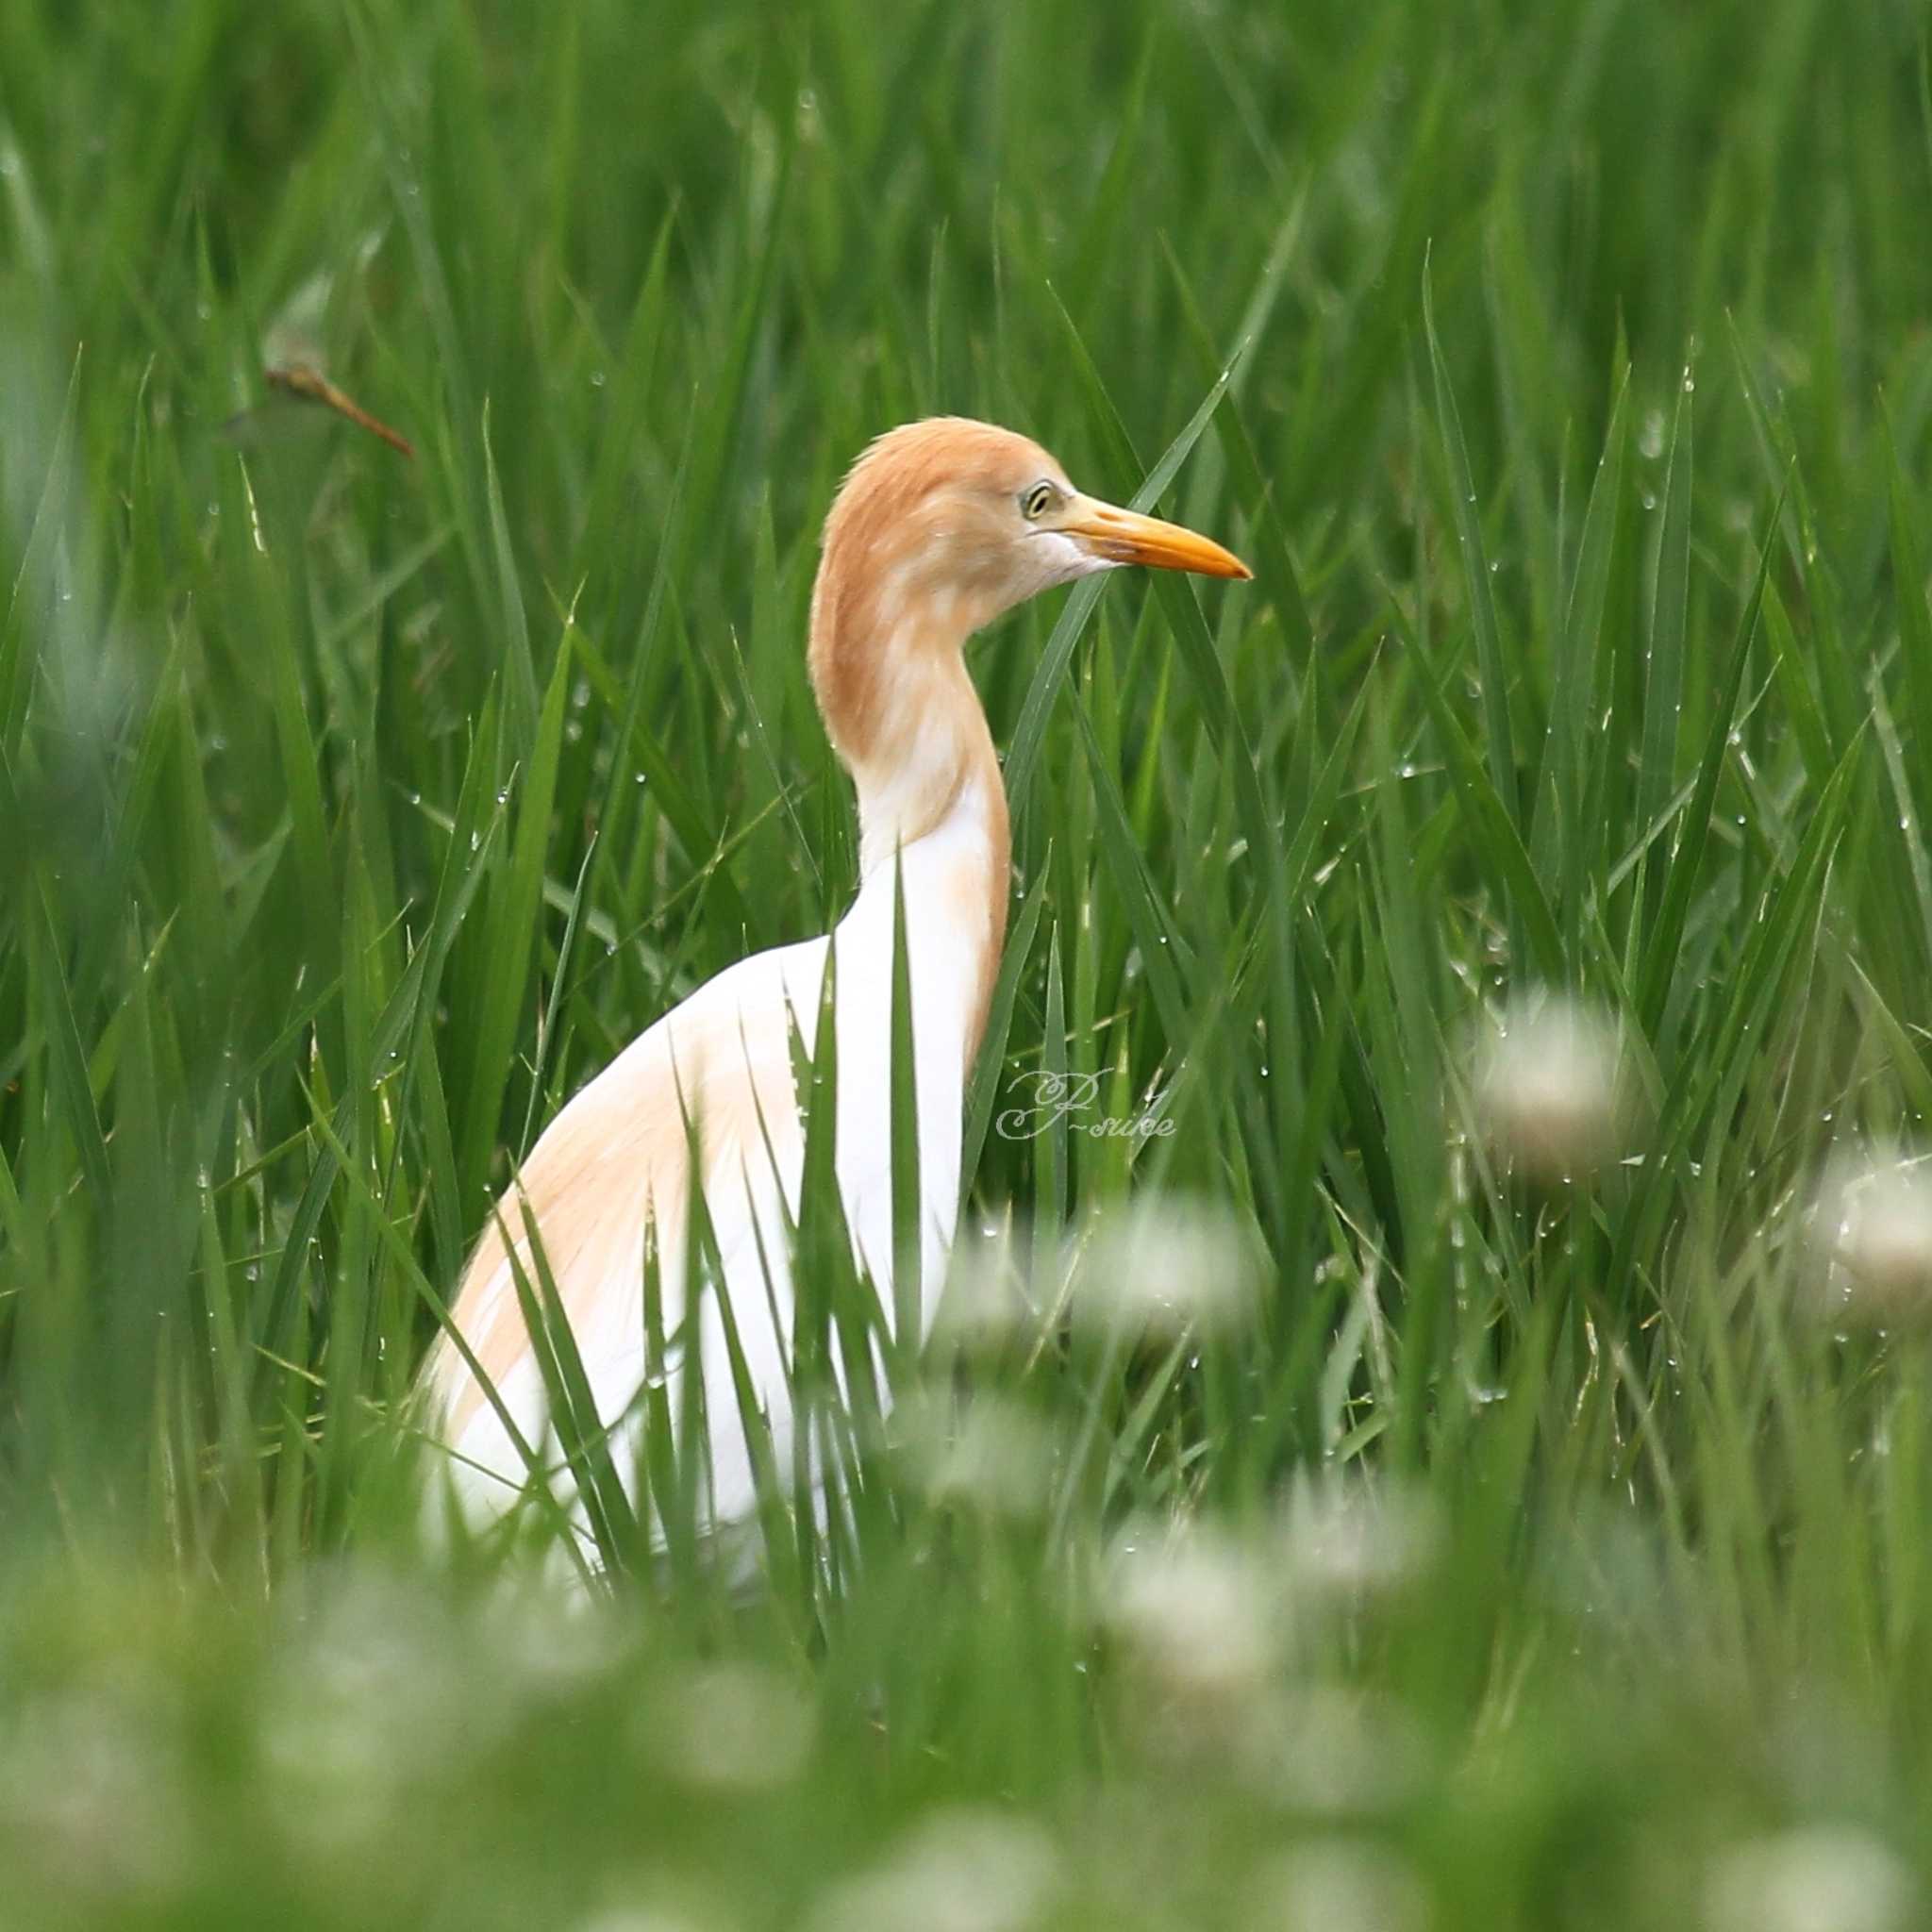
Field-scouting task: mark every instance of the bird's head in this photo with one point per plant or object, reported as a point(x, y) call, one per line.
point(940, 527)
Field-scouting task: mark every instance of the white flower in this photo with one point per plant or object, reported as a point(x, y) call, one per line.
point(986, 1451)
point(631, 1918)
point(1547, 1090)
point(961, 1871)
point(1339, 1752)
point(1164, 1266)
point(1338, 1884)
point(1818, 1878)
point(1872, 1230)
point(89, 1785)
point(988, 1296)
point(370, 1696)
point(1347, 1540)
point(1195, 1615)
point(732, 1726)
point(556, 1644)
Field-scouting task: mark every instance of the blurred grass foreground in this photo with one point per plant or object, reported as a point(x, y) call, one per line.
point(1474, 1469)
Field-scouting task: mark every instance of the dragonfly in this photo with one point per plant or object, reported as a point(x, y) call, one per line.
point(301, 383)
point(307, 383)
point(293, 366)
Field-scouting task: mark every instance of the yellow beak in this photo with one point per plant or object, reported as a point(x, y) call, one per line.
point(1125, 535)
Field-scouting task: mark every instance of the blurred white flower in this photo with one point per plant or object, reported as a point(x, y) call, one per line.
point(369, 1697)
point(1336, 1751)
point(1338, 1884)
point(1872, 1232)
point(88, 1785)
point(1817, 1878)
point(988, 1293)
point(1164, 1265)
point(732, 1726)
point(1159, 1264)
point(1548, 1088)
point(555, 1643)
point(961, 1871)
point(1346, 1540)
point(1199, 1623)
point(986, 1453)
point(641, 1919)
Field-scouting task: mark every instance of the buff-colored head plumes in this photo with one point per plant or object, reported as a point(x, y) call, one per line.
point(940, 527)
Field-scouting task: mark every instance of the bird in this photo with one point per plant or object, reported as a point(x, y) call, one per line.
point(939, 528)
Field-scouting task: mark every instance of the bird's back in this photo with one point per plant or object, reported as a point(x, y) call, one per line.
point(615, 1160)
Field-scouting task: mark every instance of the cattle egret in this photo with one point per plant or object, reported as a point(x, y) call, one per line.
point(939, 527)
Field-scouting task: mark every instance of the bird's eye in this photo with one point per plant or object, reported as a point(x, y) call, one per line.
point(1037, 502)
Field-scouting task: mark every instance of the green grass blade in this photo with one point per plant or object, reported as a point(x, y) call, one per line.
point(1475, 571)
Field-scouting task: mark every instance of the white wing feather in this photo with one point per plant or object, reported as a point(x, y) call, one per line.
point(616, 1158)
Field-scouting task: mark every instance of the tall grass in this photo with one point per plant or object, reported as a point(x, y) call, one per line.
point(1526, 1549)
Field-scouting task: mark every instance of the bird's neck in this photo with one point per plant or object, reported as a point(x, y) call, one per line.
point(932, 807)
point(927, 757)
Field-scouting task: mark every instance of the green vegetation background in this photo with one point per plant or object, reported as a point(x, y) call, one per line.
point(1565, 370)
